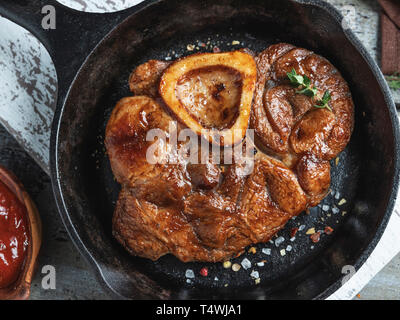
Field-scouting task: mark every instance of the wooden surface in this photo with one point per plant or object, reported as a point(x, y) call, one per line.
point(27, 91)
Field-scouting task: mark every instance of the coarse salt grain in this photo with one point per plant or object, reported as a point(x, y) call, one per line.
point(188, 281)
point(335, 210)
point(254, 274)
point(216, 279)
point(310, 231)
point(246, 264)
point(189, 273)
point(302, 227)
point(325, 207)
point(289, 248)
point(266, 251)
point(236, 267)
point(337, 195)
point(260, 264)
point(292, 239)
point(253, 250)
point(279, 241)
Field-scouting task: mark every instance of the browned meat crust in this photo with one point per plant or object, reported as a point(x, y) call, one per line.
point(145, 78)
point(209, 212)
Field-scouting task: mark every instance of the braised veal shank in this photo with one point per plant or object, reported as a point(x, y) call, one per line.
point(209, 211)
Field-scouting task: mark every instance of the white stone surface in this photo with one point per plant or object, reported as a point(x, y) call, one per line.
point(99, 5)
point(27, 90)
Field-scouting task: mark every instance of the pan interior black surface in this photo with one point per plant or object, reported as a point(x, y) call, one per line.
point(295, 268)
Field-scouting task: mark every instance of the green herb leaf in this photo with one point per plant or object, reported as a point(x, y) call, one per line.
point(393, 81)
point(323, 103)
point(294, 78)
point(304, 81)
point(309, 92)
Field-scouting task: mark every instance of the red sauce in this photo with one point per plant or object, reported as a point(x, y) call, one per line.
point(14, 238)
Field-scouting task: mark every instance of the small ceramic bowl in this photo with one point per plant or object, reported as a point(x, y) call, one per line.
point(20, 289)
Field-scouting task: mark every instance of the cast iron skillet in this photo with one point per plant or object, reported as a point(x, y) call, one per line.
point(94, 54)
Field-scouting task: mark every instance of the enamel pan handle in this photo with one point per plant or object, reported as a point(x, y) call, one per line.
point(74, 37)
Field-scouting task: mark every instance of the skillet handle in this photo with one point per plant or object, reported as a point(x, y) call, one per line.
point(75, 35)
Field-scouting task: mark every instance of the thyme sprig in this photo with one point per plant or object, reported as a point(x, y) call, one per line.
point(304, 83)
point(323, 103)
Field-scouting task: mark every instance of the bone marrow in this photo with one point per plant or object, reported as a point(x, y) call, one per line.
point(212, 91)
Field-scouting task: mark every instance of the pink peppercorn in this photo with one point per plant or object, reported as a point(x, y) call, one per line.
point(204, 272)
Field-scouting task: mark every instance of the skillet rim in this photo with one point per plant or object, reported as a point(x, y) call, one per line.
point(355, 42)
point(376, 71)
